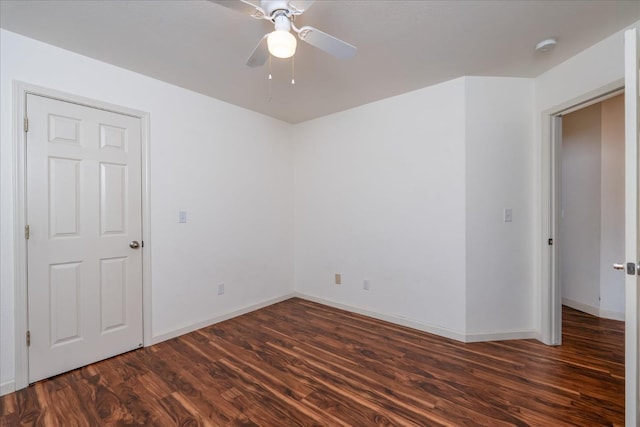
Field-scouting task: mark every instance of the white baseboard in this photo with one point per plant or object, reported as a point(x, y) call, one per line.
point(503, 336)
point(613, 315)
point(432, 329)
point(436, 330)
point(7, 387)
point(585, 308)
point(594, 311)
point(235, 313)
point(424, 327)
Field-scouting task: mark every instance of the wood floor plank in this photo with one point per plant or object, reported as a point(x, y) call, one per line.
point(299, 363)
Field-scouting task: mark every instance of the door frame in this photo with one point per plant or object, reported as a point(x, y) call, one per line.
point(551, 297)
point(20, 92)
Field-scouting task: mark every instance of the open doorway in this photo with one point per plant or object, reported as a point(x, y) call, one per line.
point(591, 209)
point(552, 202)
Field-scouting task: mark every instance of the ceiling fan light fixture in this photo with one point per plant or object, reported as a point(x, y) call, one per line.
point(282, 44)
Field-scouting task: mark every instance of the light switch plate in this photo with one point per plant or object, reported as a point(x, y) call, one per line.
point(508, 215)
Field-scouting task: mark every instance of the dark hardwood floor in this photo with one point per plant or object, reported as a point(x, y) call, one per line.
point(301, 363)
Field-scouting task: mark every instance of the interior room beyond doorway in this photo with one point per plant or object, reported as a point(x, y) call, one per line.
point(591, 222)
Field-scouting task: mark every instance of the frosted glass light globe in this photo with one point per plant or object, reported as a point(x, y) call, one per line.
point(282, 44)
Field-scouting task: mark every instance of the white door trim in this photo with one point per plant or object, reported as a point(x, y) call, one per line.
point(551, 300)
point(20, 92)
point(631, 255)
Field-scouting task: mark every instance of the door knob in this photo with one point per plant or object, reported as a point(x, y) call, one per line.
point(631, 267)
point(134, 244)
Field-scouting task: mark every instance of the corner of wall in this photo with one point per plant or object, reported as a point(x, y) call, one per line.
point(498, 149)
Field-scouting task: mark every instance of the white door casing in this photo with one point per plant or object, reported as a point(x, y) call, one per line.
point(632, 238)
point(83, 201)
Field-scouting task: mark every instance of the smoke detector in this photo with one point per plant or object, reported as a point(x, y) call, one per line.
point(546, 45)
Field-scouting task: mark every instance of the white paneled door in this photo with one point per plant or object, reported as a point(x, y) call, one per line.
point(84, 235)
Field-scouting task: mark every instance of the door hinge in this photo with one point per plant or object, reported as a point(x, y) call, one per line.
point(26, 124)
point(26, 232)
point(550, 242)
point(28, 338)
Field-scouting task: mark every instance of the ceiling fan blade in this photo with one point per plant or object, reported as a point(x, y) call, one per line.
point(260, 54)
point(326, 42)
point(300, 5)
point(242, 6)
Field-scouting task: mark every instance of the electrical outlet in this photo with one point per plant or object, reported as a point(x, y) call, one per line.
point(220, 288)
point(365, 284)
point(338, 279)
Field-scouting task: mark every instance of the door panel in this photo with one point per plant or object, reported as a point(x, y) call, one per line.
point(632, 239)
point(83, 209)
point(112, 198)
point(64, 308)
point(113, 282)
point(64, 189)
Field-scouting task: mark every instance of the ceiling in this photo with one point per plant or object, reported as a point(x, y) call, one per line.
point(402, 45)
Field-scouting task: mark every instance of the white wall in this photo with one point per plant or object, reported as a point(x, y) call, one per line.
point(408, 193)
point(612, 208)
point(580, 225)
point(379, 195)
point(230, 168)
point(499, 148)
point(591, 69)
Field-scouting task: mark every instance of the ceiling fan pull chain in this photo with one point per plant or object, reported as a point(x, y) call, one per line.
point(293, 70)
point(270, 80)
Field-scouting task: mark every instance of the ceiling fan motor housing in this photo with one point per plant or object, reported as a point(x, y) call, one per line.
point(282, 23)
point(272, 7)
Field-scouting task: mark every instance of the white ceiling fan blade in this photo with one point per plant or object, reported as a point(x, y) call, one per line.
point(328, 43)
point(242, 6)
point(260, 54)
point(300, 5)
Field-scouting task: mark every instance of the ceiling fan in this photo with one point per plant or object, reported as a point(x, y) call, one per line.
point(281, 43)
